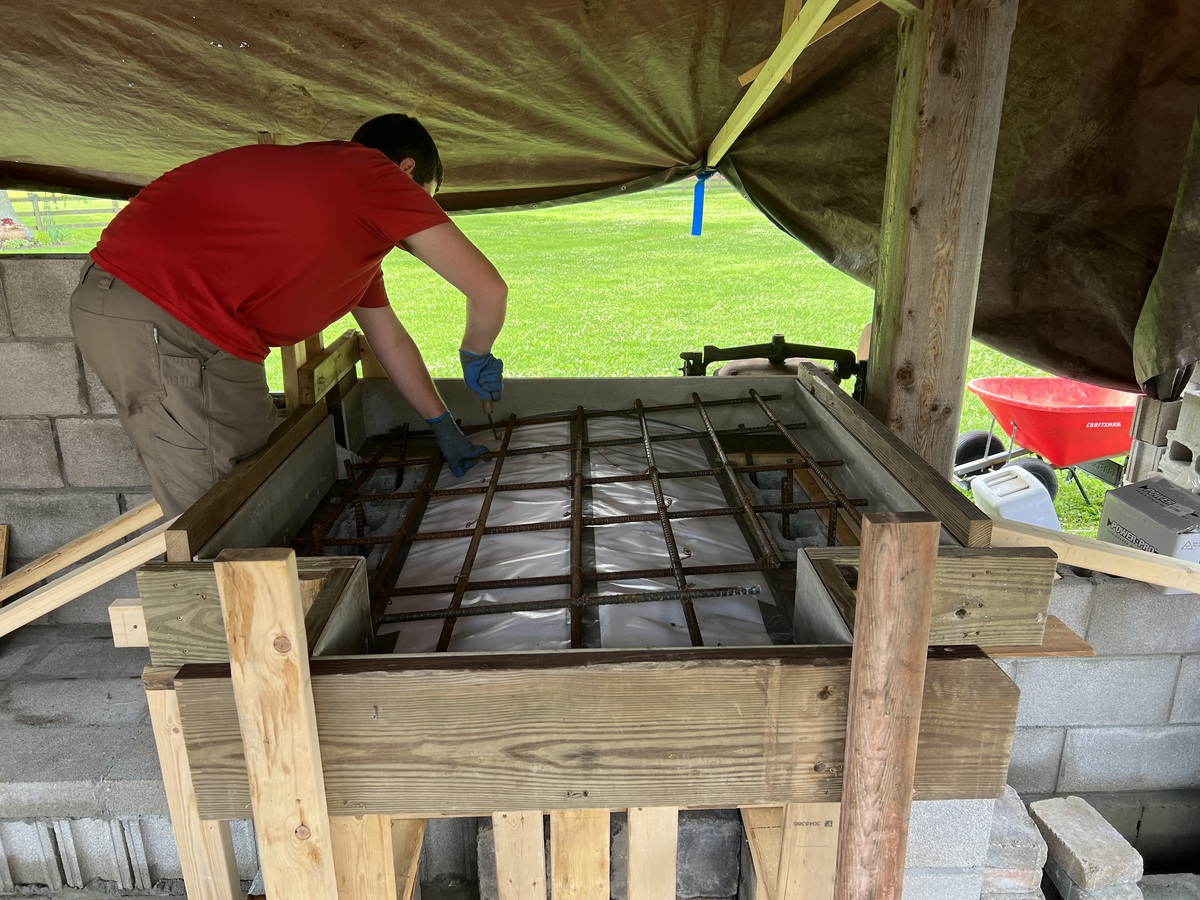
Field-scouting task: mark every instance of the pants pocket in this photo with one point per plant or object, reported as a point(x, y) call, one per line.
point(122, 353)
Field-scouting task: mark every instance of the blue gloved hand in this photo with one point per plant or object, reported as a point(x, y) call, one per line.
point(483, 373)
point(459, 452)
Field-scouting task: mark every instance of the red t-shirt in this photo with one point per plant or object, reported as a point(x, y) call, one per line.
point(264, 246)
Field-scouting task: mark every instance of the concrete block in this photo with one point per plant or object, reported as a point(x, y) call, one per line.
point(942, 884)
point(133, 785)
point(1186, 708)
point(1184, 886)
point(1169, 834)
point(30, 456)
point(128, 833)
point(1036, 758)
point(86, 652)
point(1031, 895)
point(709, 845)
point(112, 702)
point(100, 401)
point(40, 379)
point(1089, 850)
point(97, 453)
point(5, 332)
point(8, 886)
point(1131, 759)
point(1011, 881)
point(1071, 599)
point(1015, 841)
point(31, 853)
point(39, 295)
point(42, 522)
point(949, 834)
point(162, 855)
point(1097, 691)
point(1123, 811)
point(1134, 619)
point(1069, 890)
point(92, 607)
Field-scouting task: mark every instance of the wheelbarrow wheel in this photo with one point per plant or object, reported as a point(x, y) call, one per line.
point(1042, 471)
point(973, 445)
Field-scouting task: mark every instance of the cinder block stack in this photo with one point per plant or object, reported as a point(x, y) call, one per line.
point(1087, 858)
point(1181, 461)
point(1016, 853)
point(1171, 887)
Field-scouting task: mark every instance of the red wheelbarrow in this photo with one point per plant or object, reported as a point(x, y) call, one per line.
point(1051, 423)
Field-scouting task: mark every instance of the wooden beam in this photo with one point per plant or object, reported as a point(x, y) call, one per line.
point(579, 854)
point(659, 719)
point(128, 621)
point(891, 645)
point(87, 577)
point(520, 855)
point(264, 622)
point(833, 24)
point(811, 17)
point(80, 548)
point(1111, 559)
point(1059, 641)
point(322, 371)
point(653, 849)
point(808, 851)
point(952, 65)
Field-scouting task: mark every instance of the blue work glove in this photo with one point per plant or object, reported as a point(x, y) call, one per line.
point(459, 452)
point(483, 373)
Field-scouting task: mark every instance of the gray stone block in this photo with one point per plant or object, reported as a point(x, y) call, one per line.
point(42, 522)
point(30, 456)
point(92, 607)
point(31, 853)
point(112, 702)
point(709, 846)
point(1123, 811)
point(1031, 895)
point(1036, 758)
point(1130, 618)
point(949, 834)
point(1186, 708)
point(1169, 834)
point(1088, 849)
point(1069, 890)
point(1015, 841)
point(99, 399)
point(1131, 759)
point(1011, 881)
point(942, 884)
point(1071, 599)
point(133, 785)
point(1097, 691)
point(86, 652)
point(1184, 886)
point(5, 332)
point(40, 379)
point(39, 294)
point(97, 453)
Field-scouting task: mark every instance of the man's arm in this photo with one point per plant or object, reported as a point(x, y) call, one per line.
point(401, 358)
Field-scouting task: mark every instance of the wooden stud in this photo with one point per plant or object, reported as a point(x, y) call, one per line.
point(4, 532)
point(764, 830)
point(808, 851)
point(323, 370)
point(408, 836)
point(1059, 641)
point(579, 854)
point(268, 650)
point(97, 539)
point(830, 26)
point(205, 847)
point(128, 621)
point(887, 680)
point(653, 850)
point(812, 16)
point(372, 859)
point(520, 855)
point(292, 358)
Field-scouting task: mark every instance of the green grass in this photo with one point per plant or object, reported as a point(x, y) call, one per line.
point(619, 287)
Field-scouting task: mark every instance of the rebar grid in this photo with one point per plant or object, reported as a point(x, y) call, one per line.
point(393, 453)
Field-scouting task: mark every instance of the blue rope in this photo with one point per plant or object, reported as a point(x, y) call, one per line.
point(698, 201)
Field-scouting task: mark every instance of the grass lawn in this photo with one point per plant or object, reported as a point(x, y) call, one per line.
point(620, 287)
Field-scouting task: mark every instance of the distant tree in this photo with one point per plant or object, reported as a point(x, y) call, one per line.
point(7, 212)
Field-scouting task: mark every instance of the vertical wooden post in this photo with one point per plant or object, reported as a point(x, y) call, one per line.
point(887, 682)
point(374, 859)
point(4, 530)
point(268, 655)
point(520, 855)
point(653, 851)
point(808, 851)
point(293, 358)
point(953, 60)
point(579, 854)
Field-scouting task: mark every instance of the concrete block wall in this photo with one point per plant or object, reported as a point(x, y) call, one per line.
point(65, 464)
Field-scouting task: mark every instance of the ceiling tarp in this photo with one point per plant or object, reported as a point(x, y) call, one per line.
point(547, 100)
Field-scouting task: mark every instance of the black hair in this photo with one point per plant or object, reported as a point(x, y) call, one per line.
point(402, 137)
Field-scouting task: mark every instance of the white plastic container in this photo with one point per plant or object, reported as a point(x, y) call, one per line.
point(1015, 494)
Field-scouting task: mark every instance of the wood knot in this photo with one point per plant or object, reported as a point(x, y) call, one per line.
point(283, 645)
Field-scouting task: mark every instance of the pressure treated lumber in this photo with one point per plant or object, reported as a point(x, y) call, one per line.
point(90, 575)
point(658, 720)
point(887, 671)
point(808, 852)
point(205, 847)
point(520, 855)
point(320, 373)
point(291, 359)
point(199, 523)
point(952, 64)
point(579, 854)
point(1059, 642)
point(653, 849)
point(268, 650)
point(1111, 559)
point(80, 548)
point(128, 621)
point(833, 24)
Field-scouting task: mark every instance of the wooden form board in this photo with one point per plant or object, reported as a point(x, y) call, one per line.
point(831, 25)
point(996, 597)
point(651, 872)
point(579, 854)
point(320, 373)
point(458, 735)
point(520, 855)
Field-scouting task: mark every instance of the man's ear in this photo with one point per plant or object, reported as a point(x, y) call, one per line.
point(407, 165)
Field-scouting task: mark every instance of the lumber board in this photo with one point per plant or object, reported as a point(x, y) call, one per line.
point(520, 855)
point(1058, 641)
point(848, 532)
point(905, 7)
point(182, 610)
point(969, 525)
point(371, 859)
point(997, 597)
point(80, 548)
point(371, 366)
point(657, 719)
point(1111, 559)
point(4, 533)
point(264, 622)
point(651, 871)
point(579, 854)
point(408, 837)
point(808, 851)
point(128, 621)
point(197, 525)
point(291, 359)
point(87, 577)
point(318, 375)
point(831, 25)
point(764, 833)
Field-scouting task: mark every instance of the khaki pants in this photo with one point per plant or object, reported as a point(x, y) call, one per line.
point(191, 409)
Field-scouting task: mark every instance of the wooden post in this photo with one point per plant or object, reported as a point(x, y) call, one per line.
point(268, 654)
point(293, 358)
point(579, 854)
point(887, 681)
point(953, 60)
point(520, 855)
point(653, 850)
point(808, 851)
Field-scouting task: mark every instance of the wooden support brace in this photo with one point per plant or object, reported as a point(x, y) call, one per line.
point(579, 854)
point(128, 621)
point(4, 531)
point(520, 855)
point(653, 850)
point(808, 851)
point(323, 370)
point(375, 858)
point(764, 830)
point(833, 24)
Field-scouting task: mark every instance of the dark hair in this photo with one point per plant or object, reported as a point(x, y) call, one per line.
point(403, 137)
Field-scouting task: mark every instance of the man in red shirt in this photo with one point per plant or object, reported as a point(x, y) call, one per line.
point(219, 260)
